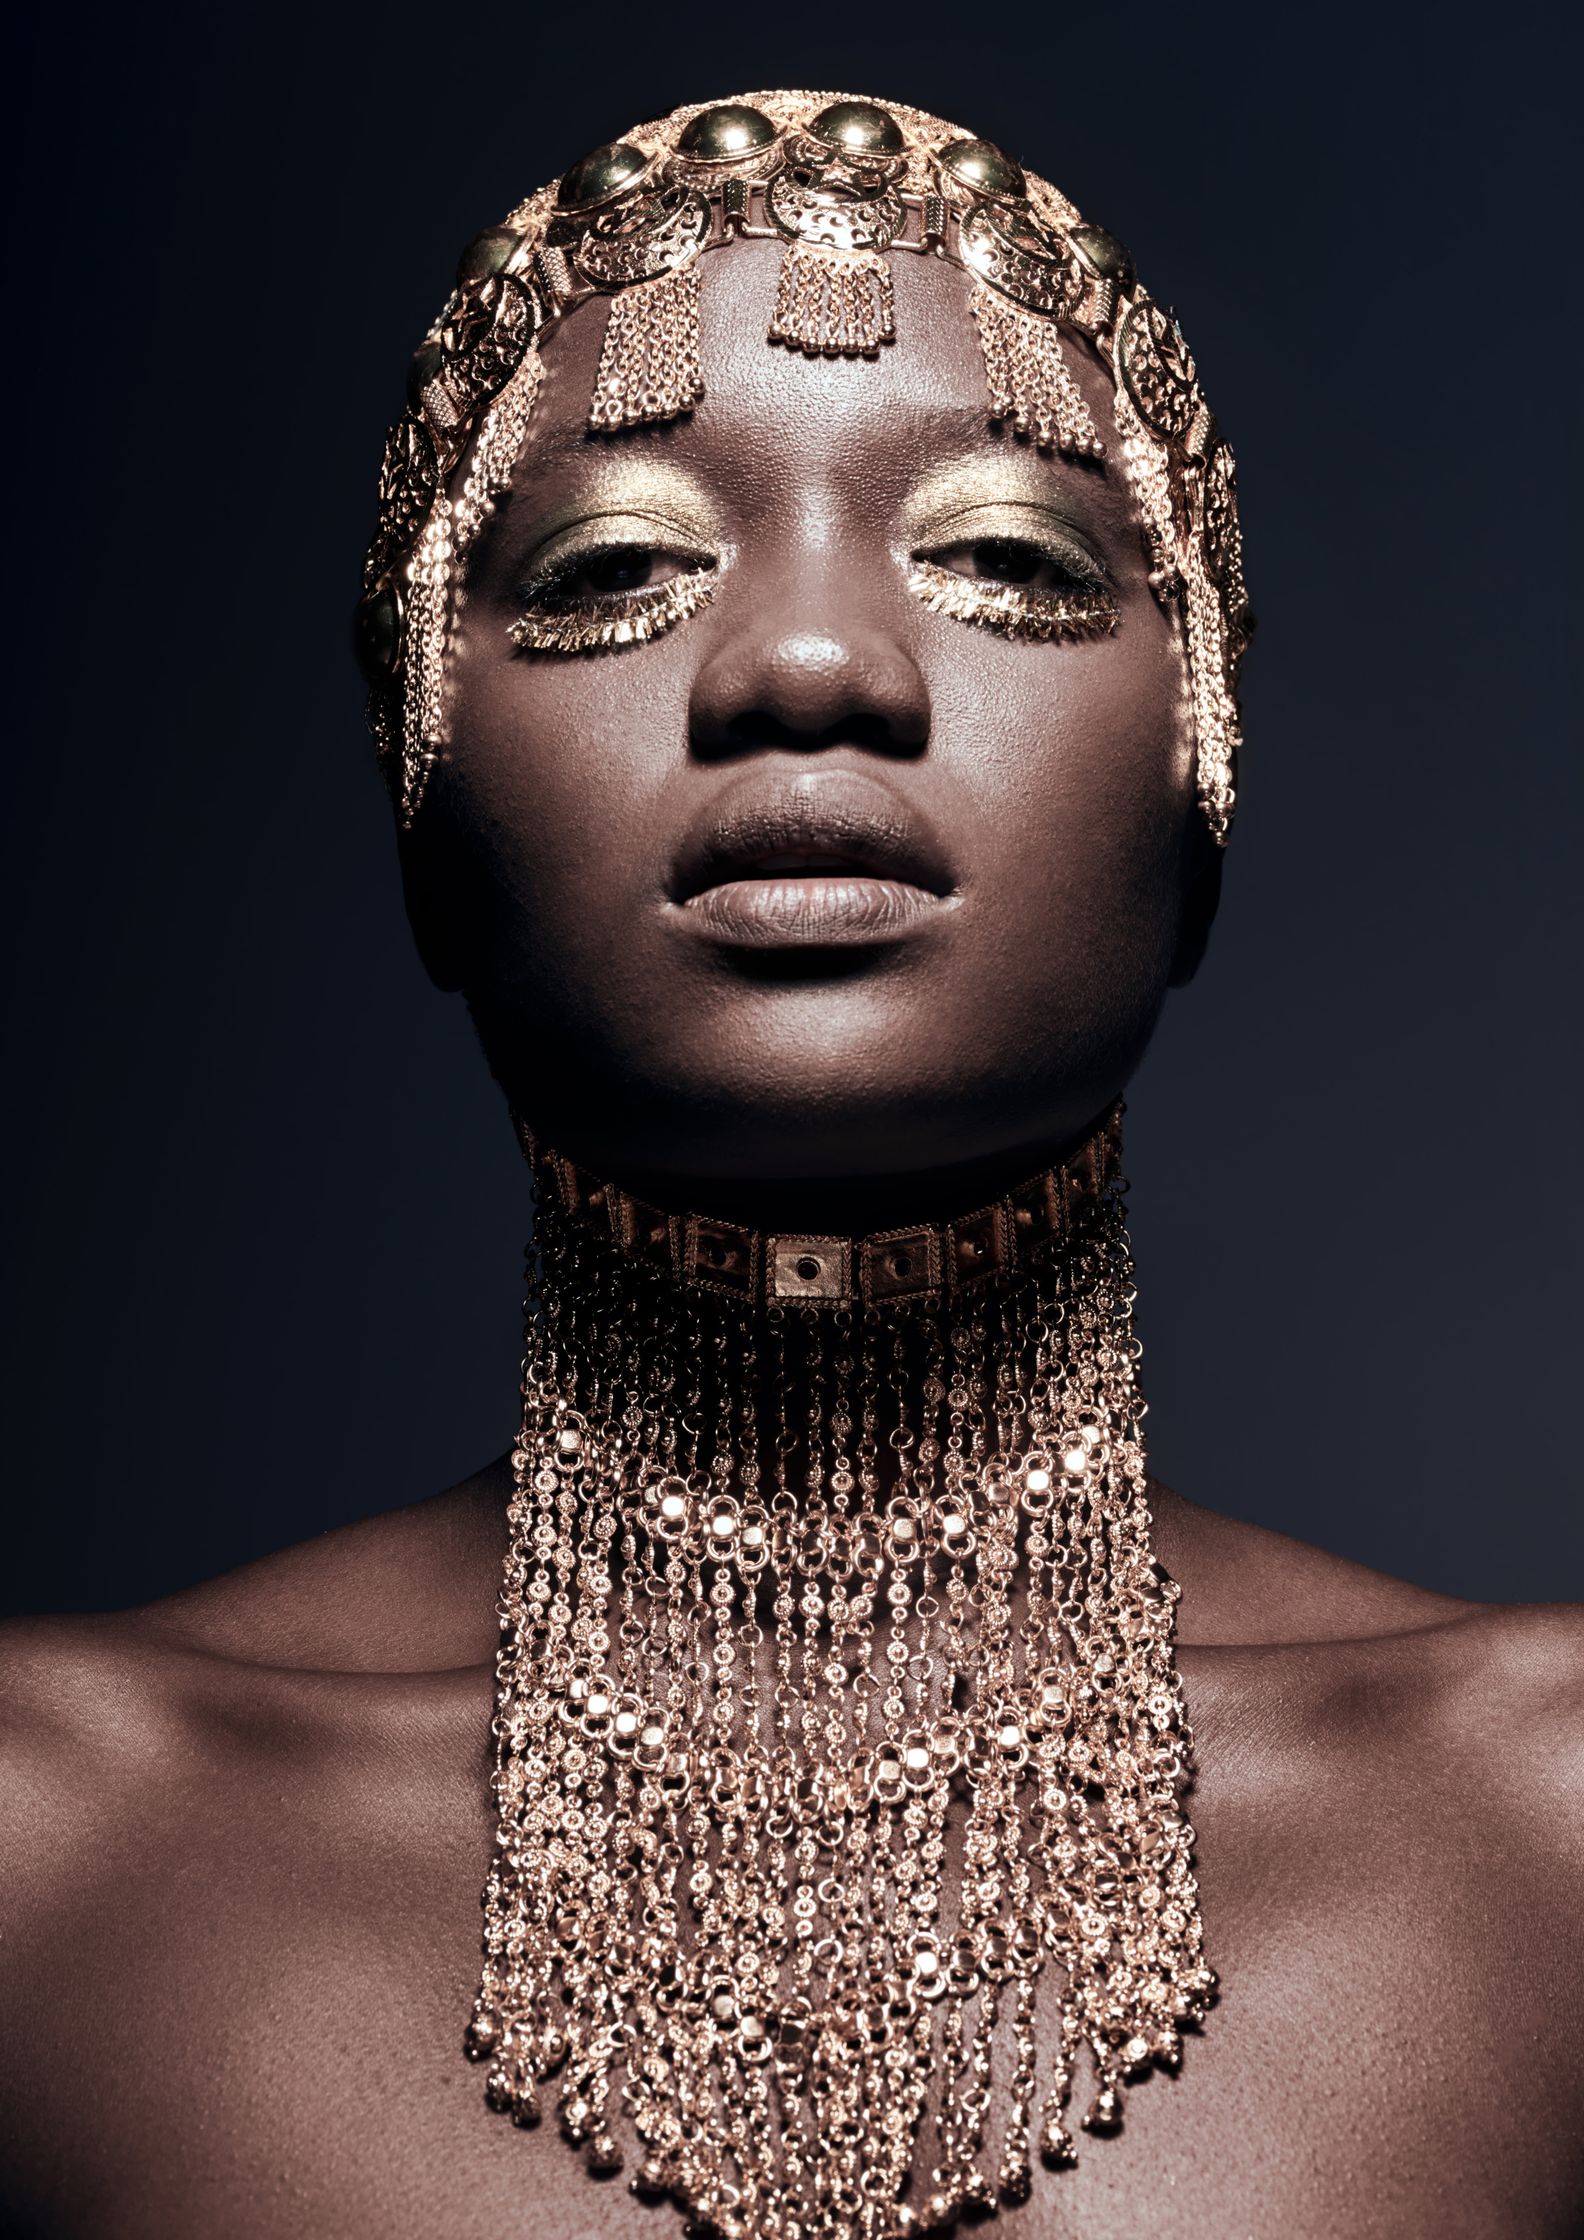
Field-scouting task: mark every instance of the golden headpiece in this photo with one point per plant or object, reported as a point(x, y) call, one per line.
point(845, 183)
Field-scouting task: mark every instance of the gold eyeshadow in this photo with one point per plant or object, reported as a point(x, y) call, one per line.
point(1015, 610)
point(997, 495)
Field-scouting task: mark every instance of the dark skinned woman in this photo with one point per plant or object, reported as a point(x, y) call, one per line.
point(803, 630)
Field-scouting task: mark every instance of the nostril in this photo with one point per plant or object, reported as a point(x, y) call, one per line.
point(869, 731)
point(758, 728)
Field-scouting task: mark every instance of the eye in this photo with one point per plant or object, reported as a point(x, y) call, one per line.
point(597, 595)
point(1017, 587)
point(612, 569)
point(1013, 560)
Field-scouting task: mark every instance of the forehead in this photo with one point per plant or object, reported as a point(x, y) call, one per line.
point(771, 417)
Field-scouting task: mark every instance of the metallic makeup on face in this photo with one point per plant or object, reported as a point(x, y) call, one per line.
point(1021, 568)
point(634, 557)
point(1009, 558)
point(838, 862)
point(883, 825)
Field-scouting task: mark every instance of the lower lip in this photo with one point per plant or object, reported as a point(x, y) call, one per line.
point(811, 912)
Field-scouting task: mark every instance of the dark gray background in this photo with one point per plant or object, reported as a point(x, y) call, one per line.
point(267, 1214)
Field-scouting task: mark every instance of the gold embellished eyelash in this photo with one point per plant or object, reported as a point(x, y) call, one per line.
point(1011, 609)
point(598, 626)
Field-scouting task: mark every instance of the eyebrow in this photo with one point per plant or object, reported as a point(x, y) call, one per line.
point(556, 444)
point(956, 466)
point(953, 426)
point(1033, 477)
point(540, 505)
point(933, 426)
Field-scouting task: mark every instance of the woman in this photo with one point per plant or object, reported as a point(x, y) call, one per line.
point(803, 627)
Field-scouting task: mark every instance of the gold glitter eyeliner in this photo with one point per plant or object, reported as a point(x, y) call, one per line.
point(1014, 610)
point(602, 622)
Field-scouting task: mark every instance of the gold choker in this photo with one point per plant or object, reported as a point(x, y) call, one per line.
point(840, 1750)
point(927, 1263)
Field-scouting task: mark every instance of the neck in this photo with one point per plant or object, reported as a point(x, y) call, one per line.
point(851, 1204)
point(729, 1375)
point(837, 1251)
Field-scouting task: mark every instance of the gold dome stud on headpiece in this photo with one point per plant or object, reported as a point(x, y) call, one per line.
point(486, 255)
point(845, 185)
point(981, 168)
point(729, 133)
point(599, 177)
point(836, 204)
point(859, 129)
point(1102, 253)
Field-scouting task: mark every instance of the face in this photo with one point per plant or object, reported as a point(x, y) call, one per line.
point(875, 857)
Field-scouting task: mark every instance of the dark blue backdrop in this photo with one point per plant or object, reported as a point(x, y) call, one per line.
point(267, 1214)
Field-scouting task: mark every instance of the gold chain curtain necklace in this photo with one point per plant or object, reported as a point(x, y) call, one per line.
point(841, 1753)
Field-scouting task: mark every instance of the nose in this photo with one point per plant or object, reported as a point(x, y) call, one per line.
point(806, 680)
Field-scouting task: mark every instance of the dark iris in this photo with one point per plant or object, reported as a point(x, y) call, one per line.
point(1005, 560)
point(621, 569)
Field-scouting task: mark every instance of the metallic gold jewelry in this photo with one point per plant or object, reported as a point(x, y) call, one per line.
point(846, 185)
point(1030, 386)
point(648, 246)
point(1015, 610)
point(1024, 287)
point(615, 619)
point(833, 307)
point(829, 1742)
point(649, 368)
point(835, 201)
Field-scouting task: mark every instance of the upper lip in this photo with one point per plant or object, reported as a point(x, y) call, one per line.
point(818, 821)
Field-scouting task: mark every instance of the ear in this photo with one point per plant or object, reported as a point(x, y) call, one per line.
point(436, 895)
point(1201, 897)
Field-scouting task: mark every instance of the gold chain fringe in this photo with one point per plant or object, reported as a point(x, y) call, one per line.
point(837, 1724)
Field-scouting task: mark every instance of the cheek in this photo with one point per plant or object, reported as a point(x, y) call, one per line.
point(1074, 765)
point(554, 780)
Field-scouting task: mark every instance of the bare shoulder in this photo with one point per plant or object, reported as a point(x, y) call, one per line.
point(95, 1743)
point(1478, 1724)
point(1302, 1659)
point(1509, 1679)
point(410, 1590)
point(1510, 1673)
point(112, 1724)
point(1244, 1584)
point(75, 1693)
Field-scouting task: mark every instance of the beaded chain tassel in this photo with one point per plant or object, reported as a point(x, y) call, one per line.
point(838, 1729)
point(833, 303)
point(1029, 385)
point(649, 366)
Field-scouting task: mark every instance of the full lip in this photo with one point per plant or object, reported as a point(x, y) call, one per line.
point(844, 826)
